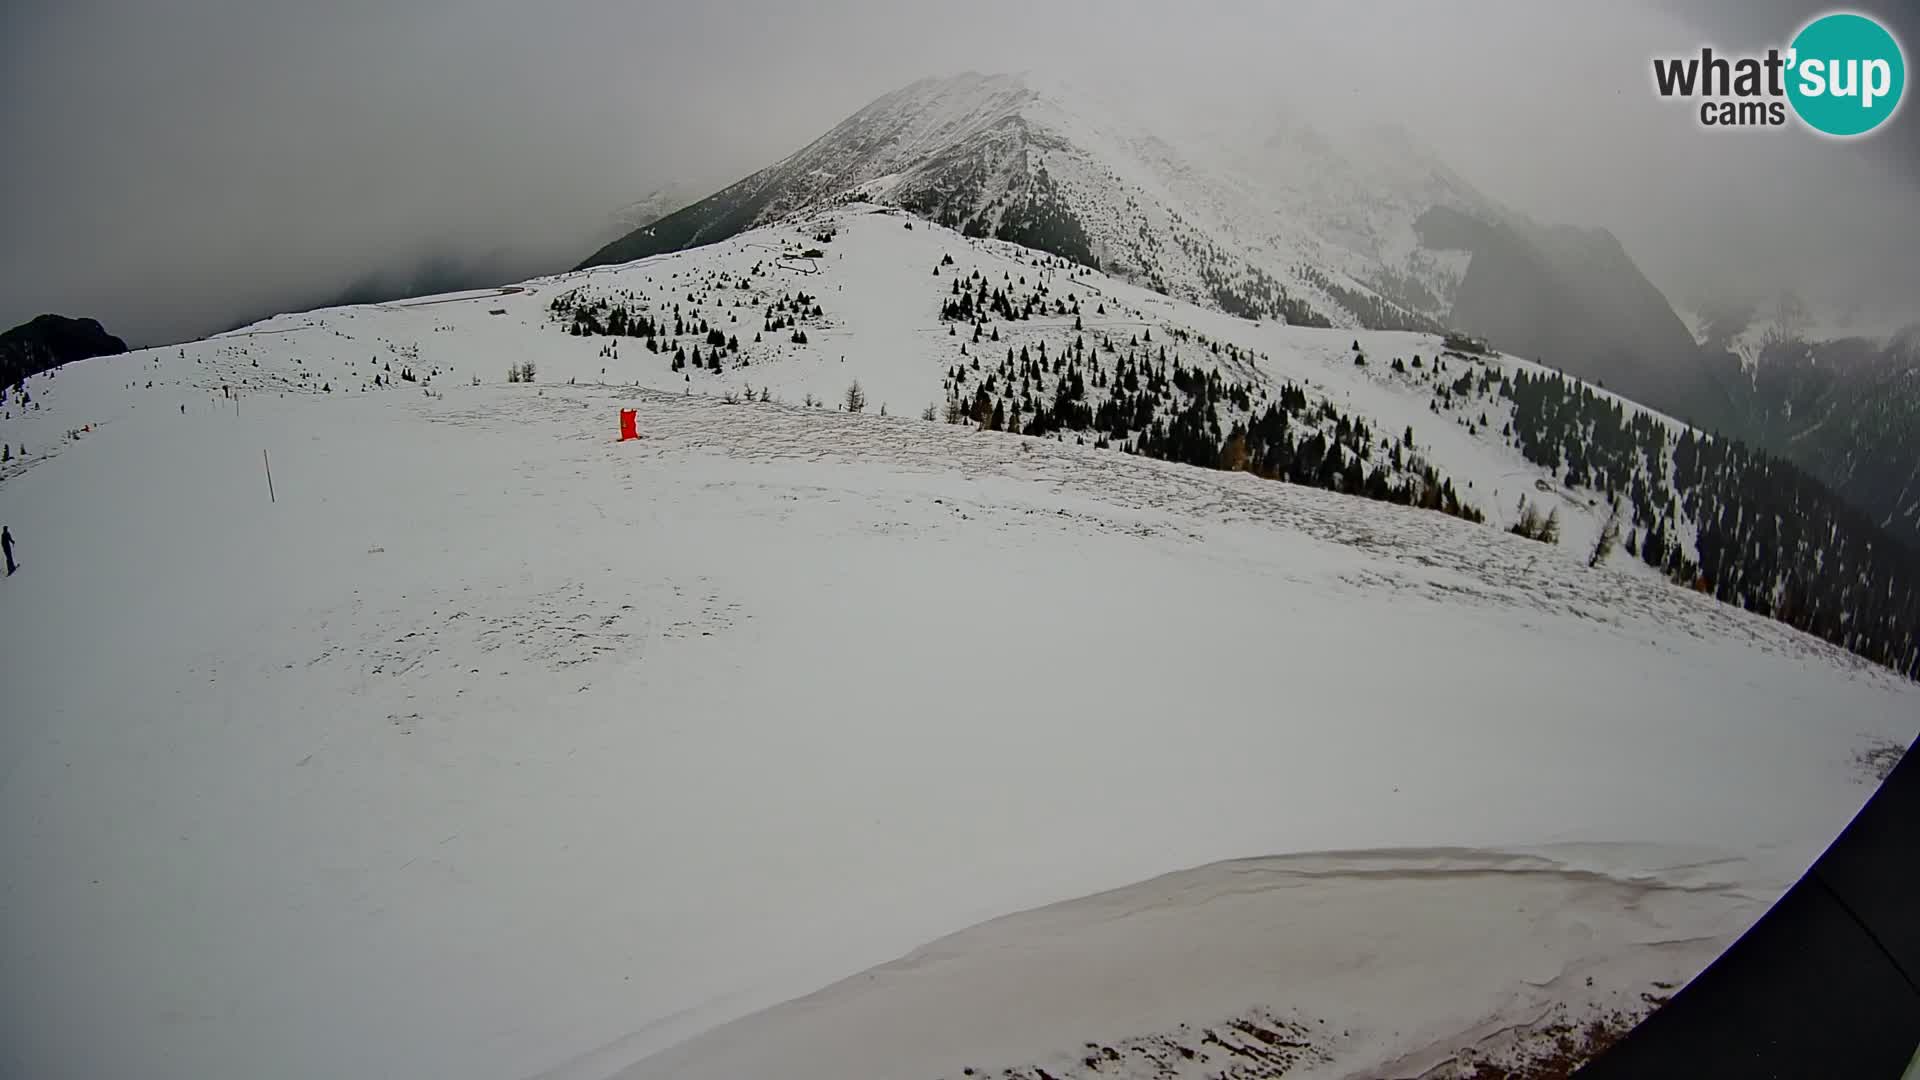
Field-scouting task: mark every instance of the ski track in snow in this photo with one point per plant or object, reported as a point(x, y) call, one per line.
point(495, 748)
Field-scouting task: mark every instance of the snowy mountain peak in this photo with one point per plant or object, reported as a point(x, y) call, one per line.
point(1240, 206)
point(921, 119)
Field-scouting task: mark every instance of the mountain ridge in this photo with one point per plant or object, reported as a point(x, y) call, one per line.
point(1053, 168)
point(48, 341)
point(1057, 352)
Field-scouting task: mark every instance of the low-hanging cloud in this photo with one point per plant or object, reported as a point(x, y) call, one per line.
point(172, 168)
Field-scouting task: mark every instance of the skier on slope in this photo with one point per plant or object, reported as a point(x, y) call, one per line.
point(6, 544)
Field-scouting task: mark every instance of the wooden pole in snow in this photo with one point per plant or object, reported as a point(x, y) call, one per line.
point(269, 465)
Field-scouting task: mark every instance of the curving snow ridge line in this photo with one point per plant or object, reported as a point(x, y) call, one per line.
point(1330, 964)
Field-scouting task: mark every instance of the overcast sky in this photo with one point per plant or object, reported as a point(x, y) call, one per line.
point(174, 165)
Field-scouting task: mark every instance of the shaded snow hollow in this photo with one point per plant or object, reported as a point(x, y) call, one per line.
point(494, 748)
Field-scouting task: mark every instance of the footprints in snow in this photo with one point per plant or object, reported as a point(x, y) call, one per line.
point(567, 629)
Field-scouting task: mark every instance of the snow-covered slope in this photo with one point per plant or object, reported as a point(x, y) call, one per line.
point(1246, 208)
point(1396, 964)
point(880, 281)
point(488, 746)
point(860, 293)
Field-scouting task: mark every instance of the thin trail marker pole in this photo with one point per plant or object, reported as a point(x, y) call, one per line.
point(269, 465)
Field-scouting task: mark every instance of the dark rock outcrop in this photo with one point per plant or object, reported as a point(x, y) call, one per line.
point(49, 341)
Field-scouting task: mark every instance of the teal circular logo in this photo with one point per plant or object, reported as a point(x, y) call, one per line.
point(1845, 74)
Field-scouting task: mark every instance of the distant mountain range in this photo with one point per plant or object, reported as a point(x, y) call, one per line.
point(1266, 217)
point(1848, 411)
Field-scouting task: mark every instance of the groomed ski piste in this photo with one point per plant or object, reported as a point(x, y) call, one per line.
point(786, 741)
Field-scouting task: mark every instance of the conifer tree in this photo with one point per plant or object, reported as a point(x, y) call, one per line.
point(1609, 536)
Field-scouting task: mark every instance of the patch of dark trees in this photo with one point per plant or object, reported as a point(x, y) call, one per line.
point(1770, 538)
